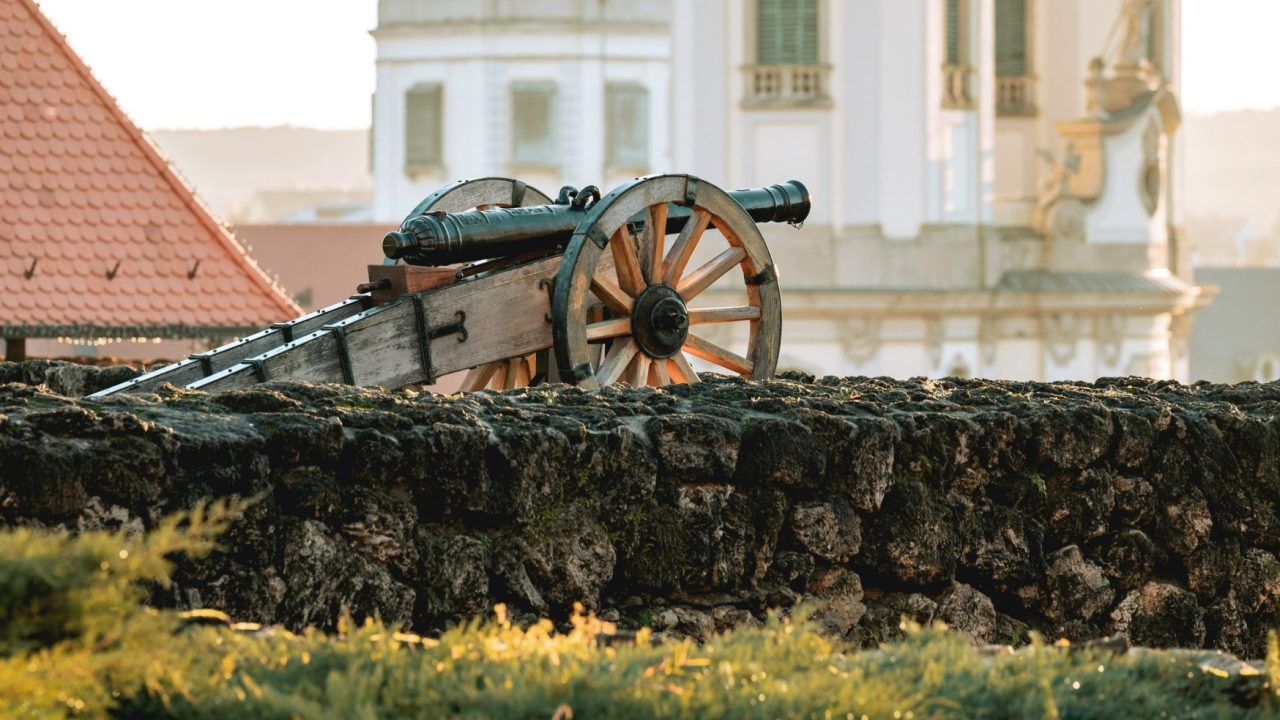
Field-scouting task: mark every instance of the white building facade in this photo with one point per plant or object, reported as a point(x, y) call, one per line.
point(989, 199)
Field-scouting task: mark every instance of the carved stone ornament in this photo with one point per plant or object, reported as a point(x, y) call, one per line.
point(988, 337)
point(1179, 335)
point(1061, 331)
point(860, 339)
point(1109, 332)
point(1150, 180)
point(933, 335)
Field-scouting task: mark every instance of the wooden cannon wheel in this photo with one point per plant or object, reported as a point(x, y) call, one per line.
point(483, 194)
point(655, 318)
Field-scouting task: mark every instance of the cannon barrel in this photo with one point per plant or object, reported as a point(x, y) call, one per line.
point(439, 239)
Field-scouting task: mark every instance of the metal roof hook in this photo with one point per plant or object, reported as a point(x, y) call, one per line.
point(29, 272)
point(111, 274)
point(191, 274)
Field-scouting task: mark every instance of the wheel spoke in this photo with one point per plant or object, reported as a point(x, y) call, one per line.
point(655, 230)
point(701, 279)
point(611, 295)
point(512, 374)
point(639, 370)
point(659, 375)
point(713, 353)
point(478, 377)
point(499, 375)
point(522, 375)
point(701, 316)
point(683, 372)
point(616, 362)
point(609, 328)
point(673, 267)
point(626, 262)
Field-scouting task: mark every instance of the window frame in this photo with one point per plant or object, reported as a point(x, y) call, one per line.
point(615, 161)
point(1028, 55)
point(549, 158)
point(414, 165)
point(757, 29)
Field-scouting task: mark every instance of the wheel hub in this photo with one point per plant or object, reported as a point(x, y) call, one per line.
point(660, 321)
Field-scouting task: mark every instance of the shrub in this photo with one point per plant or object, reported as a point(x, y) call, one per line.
point(76, 641)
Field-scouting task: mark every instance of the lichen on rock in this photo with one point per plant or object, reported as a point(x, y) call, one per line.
point(1071, 509)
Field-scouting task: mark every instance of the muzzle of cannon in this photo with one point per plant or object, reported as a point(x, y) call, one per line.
point(591, 290)
point(438, 238)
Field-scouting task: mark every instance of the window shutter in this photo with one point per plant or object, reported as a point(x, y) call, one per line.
point(787, 32)
point(533, 126)
point(422, 127)
point(953, 32)
point(627, 126)
point(1011, 38)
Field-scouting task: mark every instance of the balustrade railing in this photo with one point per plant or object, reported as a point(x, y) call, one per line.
point(1016, 95)
point(957, 87)
point(787, 84)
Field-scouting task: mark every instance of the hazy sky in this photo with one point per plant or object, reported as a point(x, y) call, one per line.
point(203, 64)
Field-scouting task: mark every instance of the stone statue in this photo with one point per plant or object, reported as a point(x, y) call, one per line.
point(1131, 48)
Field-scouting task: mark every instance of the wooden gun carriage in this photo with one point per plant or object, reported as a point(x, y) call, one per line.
point(587, 290)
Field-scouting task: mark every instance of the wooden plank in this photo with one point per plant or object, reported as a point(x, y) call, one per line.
point(702, 316)
point(713, 353)
point(713, 270)
point(505, 317)
point(676, 261)
point(188, 371)
point(404, 279)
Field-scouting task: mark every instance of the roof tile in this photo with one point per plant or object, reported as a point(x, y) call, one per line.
point(82, 189)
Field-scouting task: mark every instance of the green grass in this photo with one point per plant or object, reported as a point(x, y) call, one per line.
point(76, 642)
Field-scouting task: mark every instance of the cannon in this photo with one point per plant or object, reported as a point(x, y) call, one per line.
point(493, 277)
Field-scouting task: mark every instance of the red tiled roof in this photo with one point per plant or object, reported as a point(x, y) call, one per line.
point(99, 237)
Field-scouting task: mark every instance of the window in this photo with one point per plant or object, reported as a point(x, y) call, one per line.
point(1011, 38)
point(954, 34)
point(626, 126)
point(423, 129)
point(958, 70)
point(1015, 85)
point(533, 124)
point(787, 32)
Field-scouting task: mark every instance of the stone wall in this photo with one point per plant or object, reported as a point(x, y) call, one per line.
point(1076, 510)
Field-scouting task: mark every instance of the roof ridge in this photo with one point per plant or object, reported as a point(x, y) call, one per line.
point(236, 250)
